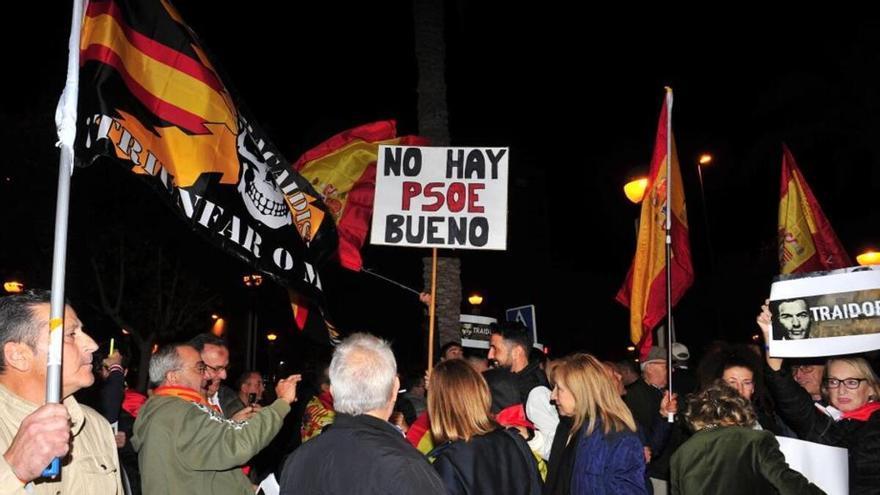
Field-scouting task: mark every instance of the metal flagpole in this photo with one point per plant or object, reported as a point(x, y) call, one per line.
point(65, 121)
point(671, 417)
point(410, 289)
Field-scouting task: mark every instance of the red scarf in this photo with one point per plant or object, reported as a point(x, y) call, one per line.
point(862, 413)
point(132, 402)
point(184, 393)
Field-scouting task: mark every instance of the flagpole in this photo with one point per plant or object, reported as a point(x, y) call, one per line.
point(431, 310)
point(380, 277)
point(65, 121)
point(669, 213)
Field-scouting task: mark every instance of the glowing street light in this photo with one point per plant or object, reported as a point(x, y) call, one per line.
point(635, 189)
point(13, 287)
point(631, 348)
point(475, 299)
point(705, 159)
point(272, 337)
point(869, 258)
point(219, 327)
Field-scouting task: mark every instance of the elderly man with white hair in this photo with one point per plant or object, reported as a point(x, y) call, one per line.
point(361, 453)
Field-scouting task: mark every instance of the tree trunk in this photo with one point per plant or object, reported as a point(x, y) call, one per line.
point(430, 47)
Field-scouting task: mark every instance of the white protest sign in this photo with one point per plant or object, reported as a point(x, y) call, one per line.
point(826, 467)
point(826, 313)
point(441, 197)
point(476, 331)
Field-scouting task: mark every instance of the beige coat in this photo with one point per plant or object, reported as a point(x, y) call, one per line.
point(91, 466)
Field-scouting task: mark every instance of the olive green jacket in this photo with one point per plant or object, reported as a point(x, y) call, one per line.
point(184, 447)
point(734, 460)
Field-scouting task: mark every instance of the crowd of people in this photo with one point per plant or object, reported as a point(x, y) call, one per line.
point(510, 422)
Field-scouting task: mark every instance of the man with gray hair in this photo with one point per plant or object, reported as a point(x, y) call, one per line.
point(361, 453)
point(184, 444)
point(33, 433)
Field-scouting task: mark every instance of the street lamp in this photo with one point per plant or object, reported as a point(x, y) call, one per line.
point(869, 258)
point(475, 299)
point(13, 287)
point(219, 327)
point(272, 336)
point(635, 189)
point(705, 159)
point(631, 348)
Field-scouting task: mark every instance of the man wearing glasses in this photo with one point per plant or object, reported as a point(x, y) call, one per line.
point(808, 374)
point(184, 445)
point(215, 354)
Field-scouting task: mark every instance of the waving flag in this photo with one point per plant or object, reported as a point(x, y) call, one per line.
point(807, 243)
point(644, 290)
point(151, 99)
point(343, 170)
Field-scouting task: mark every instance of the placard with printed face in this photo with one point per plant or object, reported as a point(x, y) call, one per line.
point(441, 197)
point(826, 313)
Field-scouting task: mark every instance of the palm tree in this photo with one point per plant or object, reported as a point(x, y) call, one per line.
point(430, 46)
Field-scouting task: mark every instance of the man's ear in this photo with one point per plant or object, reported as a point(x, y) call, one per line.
point(395, 387)
point(171, 378)
point(19, 356)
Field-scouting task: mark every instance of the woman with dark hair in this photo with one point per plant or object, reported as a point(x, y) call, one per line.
point(853, 420)
point(740, 368)
point(474, 454)
point(596, 449)
point(726, 454)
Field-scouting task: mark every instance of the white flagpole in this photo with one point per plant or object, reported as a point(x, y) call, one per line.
point(671, 417)
point(65, 121)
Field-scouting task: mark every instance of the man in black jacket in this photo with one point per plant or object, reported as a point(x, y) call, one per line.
point(361, 453)
point(515, 376)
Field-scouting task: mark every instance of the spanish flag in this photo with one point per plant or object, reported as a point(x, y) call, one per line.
point(807, 243)
point(644, 290)
point(343, 171)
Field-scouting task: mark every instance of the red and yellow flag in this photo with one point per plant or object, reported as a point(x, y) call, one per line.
point(343, 170)
point(807, 243)
point(644, 290)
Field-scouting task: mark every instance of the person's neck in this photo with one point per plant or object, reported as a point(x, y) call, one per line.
point(33, 391)
point(519, 365)
point(382, 413)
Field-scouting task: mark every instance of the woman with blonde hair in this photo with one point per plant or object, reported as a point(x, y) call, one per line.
point(596, 449)
point(474, 454)
point(726, 455)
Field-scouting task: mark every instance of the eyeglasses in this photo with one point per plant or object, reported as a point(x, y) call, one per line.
point(201, 367)
point(850, 383)
point(803, 368)
point(216, 369)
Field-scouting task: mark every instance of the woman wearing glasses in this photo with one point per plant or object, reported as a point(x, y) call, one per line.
point(853, 389)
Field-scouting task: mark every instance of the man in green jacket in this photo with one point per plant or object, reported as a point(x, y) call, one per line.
point(185, 445)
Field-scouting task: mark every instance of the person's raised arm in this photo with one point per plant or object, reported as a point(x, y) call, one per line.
point(763, 321)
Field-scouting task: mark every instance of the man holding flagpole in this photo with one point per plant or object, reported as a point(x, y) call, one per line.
point(32, 433)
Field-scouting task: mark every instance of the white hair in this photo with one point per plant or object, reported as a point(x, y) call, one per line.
point(164, 361)
point(362, 374)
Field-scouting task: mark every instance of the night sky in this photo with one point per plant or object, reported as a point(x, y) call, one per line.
point(576, 97)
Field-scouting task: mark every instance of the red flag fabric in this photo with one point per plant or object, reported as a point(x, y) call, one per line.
point(644, 290)
point(807, 243)
point(343, 170)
